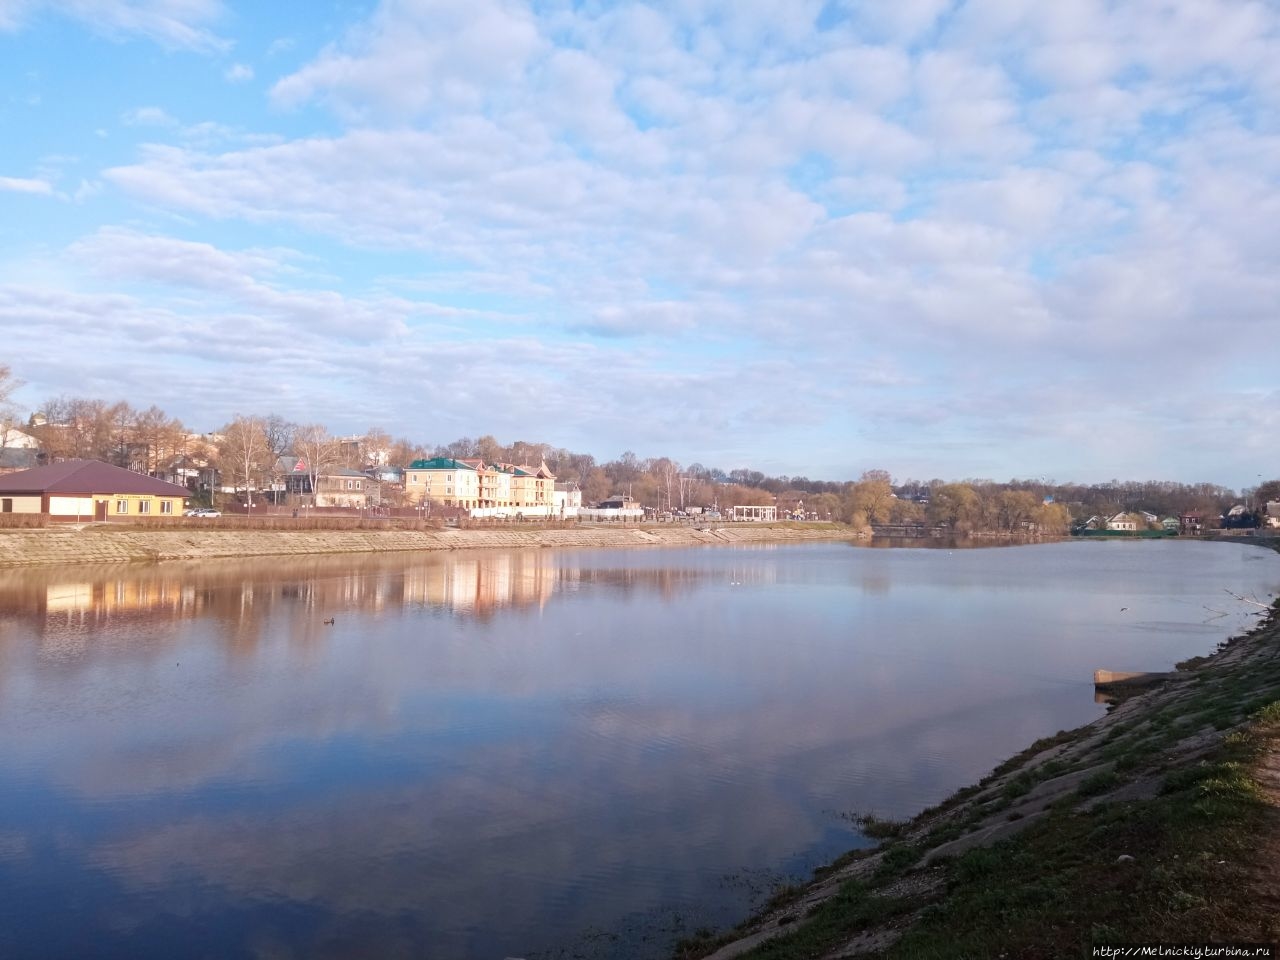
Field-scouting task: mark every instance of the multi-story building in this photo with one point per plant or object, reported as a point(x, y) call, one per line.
point(474, 485)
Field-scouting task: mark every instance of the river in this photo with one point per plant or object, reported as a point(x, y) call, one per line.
point(536, 753)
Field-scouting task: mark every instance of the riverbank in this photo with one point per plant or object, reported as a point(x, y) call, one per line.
point(109, 543)
point(1159, 822)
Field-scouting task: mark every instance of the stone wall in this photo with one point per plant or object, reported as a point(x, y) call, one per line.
point(105, 544)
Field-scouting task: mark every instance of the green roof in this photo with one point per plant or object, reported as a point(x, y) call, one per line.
point(440, 463)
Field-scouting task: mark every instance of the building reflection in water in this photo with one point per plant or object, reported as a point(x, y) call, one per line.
point(69, 609)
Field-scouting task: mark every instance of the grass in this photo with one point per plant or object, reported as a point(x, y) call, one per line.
point(879, 828)
point(1060, 887)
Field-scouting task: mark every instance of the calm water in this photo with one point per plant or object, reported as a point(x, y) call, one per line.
point(546, 754)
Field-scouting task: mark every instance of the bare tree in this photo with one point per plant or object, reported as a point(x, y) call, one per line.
point(376, 448)
point(317, 450)
point(159, 437)
point(279, 433)
point(245, 450)
point(8, 412)
point(74, 427)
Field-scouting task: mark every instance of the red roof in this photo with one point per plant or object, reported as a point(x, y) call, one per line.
point(87, 476)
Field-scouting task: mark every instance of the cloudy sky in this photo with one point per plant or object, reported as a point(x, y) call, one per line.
point(957, 238)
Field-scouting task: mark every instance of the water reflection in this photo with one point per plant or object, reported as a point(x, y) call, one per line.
point(488, 754)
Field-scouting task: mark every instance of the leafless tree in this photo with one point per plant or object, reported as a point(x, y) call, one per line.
point(245, 450)
point(318, 451)
point(8, 411)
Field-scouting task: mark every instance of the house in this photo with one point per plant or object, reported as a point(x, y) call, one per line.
point(566, 499)
point(1272, 515)
point(16, 439)
point(1123, 521)
point(1149, 518)
point(1171, 524)
point(89, 490)
point(334, 486)
point(1191, 522)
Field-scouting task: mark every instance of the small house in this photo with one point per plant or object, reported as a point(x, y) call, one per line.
point(89, 490)
point(1126, 522)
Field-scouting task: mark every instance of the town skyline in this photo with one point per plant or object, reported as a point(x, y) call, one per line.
point(249, 449)
point(945, 239)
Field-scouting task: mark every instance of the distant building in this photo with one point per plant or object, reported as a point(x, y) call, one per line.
point(16, 439)
point(618, 502)
point(470, 483)
point(334, 486)
point(1123, 521)
point(1191, 522)
point(567, 499)
point(89, 490)
point(1272, 514)
point(767, 514)
point(617, 507)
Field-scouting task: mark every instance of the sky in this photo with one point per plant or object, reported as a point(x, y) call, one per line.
point(945, 238)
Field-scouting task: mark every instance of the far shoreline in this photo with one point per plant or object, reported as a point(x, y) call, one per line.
point(117, 543)
point(110, 542)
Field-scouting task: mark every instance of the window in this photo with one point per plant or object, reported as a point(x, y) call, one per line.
point(351, 484)
point(166, 506)
point(6, 505)
point(413, 477)
point(357, 484)
point(122, 506)
point(144, 506)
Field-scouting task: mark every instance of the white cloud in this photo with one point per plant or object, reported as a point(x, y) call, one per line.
point(419, 54)
point(25, 185)
point(14, 12)
point(238, 73)
point(148, 117)
point(175, 24)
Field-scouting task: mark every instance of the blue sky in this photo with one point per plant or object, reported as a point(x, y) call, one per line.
point(989, 238)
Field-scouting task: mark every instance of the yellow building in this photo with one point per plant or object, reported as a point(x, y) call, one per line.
point(475, 485)
point(89, 490)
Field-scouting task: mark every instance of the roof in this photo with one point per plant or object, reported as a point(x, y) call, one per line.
point(297, 467)
point(440, 463)
point(87, 476)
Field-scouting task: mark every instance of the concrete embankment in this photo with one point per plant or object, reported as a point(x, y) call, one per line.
point(109, 544)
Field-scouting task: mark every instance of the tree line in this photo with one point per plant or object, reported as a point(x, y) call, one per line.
point(247, 450)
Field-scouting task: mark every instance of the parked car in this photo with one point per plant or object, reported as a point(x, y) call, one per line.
point(202, 512)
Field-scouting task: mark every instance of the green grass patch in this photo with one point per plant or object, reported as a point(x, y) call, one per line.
point(898, 859)
point(1098, 783)
point(830, 924)
point(879, 828)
